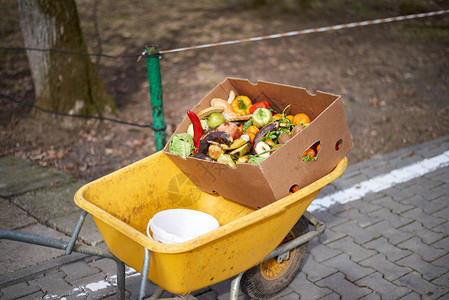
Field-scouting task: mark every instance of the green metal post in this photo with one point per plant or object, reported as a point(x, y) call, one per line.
point(154, 80)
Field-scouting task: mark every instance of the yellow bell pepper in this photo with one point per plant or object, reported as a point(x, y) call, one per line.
point(240, 105)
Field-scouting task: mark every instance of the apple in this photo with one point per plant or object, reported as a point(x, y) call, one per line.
point(215, 119)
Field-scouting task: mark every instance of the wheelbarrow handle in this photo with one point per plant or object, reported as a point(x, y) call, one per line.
point(63, 245)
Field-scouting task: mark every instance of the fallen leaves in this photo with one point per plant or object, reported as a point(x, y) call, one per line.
point(376, 103)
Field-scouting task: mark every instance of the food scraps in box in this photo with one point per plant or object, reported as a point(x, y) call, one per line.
point(238, 131)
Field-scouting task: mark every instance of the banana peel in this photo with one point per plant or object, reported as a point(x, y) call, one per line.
point(243, 159)
point(227, 159)
point(241, 151)
point(241, 141)
point(215, 151)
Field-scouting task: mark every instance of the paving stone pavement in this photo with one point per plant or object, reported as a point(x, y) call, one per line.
point(389, 244)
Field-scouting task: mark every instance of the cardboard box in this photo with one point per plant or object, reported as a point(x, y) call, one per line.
point(257, 185)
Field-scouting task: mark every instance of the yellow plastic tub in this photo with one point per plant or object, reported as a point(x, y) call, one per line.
point(122, 203)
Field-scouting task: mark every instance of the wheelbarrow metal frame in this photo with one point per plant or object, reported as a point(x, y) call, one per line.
point(71, 246)
point(235, 283)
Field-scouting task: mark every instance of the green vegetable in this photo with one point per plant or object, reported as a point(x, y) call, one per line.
point(261, 117)
point(256, 159)
point(272, 135)
point(247, 124)
point(227, 159)
point(181, 144)
point(284, 112)
point(215, 119)
point(308, 158)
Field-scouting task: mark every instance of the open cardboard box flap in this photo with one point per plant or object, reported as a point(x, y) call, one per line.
point(257, 185)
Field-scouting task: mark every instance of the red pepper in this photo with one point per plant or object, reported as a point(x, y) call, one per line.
point(261, 104)
point(197, 129)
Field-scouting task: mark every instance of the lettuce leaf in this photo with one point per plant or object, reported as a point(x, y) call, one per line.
point(181, 144)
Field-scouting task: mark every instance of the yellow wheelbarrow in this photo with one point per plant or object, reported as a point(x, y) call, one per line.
point(122, 203)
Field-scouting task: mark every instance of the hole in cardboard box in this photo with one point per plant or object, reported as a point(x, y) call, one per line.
point(311, 153)
point(317, 147)
point(293, 189)
point(338, 144)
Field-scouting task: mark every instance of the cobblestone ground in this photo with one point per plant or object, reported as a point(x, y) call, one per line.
point(389, 244)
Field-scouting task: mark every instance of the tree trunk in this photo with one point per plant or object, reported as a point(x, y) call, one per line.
point(65, 83)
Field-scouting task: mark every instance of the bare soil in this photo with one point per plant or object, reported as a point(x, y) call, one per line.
point(393, 77)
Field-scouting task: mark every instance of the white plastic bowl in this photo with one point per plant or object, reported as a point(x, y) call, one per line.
point(180, 225)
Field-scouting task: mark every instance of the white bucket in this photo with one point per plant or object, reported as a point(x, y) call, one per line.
point(179, 225)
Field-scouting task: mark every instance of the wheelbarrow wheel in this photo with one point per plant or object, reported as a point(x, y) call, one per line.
point(270, 277)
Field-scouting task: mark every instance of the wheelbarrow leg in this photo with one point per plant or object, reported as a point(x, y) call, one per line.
point(235, 287)
point(76, 232)
point(143, 284)
point(120, 265)
point(145, 270)
point(120, 279)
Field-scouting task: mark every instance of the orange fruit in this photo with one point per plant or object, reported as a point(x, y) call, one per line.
point(290, 117)
point(318, 147)
point(277, 117)
point(309, 152)
point(251, 135)
point(293, 189)
point(253, 129)
point(275, 147)
point(270, 142)
point(300, 119)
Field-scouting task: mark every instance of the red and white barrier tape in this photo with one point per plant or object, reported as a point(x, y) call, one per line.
point(305, 31)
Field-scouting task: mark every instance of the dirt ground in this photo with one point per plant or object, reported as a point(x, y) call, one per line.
point(393, 78)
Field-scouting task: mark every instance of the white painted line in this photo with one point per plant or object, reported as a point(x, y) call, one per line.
point(82, 291)
point(375, 184)
point(382, 182)
point(99, 285)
